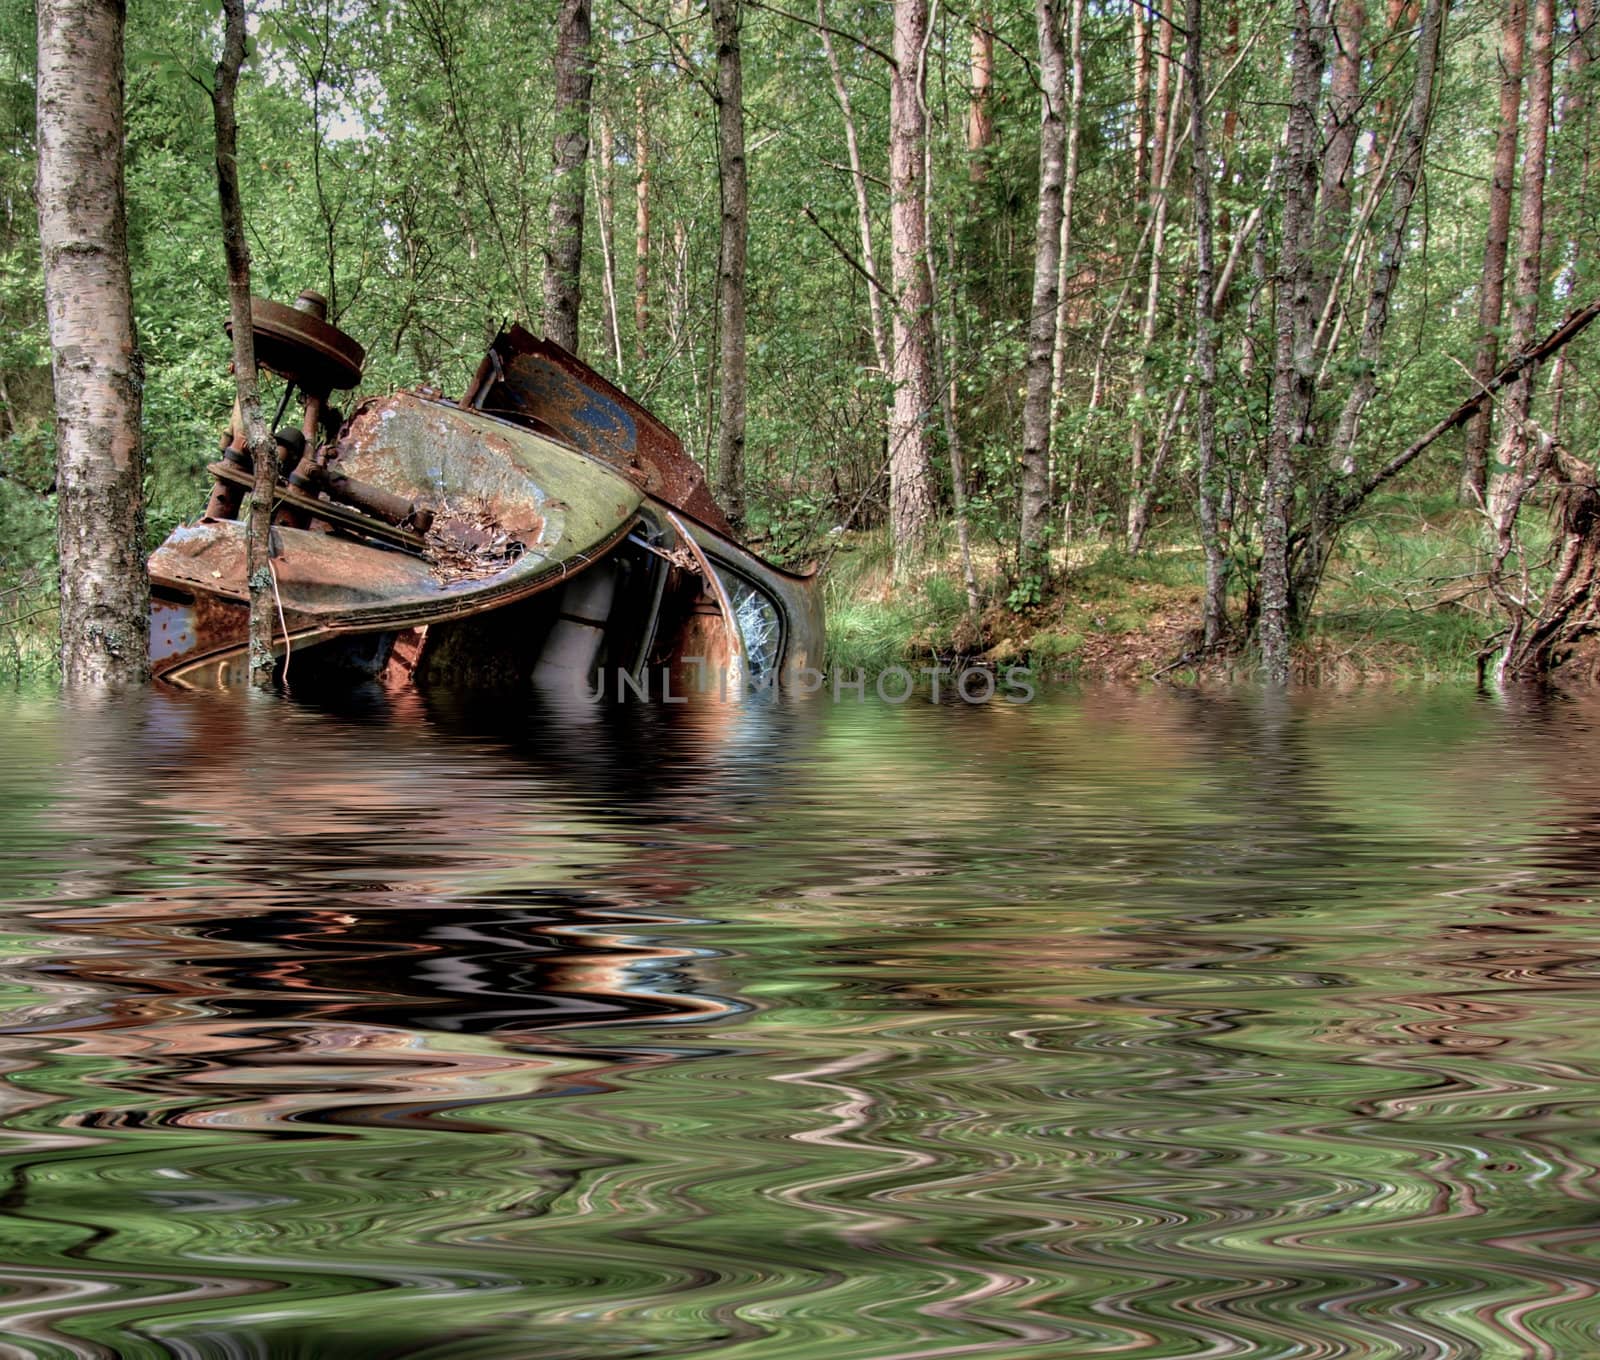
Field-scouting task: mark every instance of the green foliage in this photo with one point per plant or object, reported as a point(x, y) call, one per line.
point(396, 156)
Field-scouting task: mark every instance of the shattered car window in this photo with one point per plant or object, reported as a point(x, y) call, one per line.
point(759, 625)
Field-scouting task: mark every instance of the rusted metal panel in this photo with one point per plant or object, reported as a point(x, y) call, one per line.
point(296, 343)
point(487, 482)
point(537, 382)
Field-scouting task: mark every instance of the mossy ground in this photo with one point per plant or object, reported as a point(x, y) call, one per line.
point(1403, 600)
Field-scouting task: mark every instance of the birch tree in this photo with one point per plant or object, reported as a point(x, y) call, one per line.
point(726, 20)
point(1294, 323)
point(251, 427)
point(1497, 236)
point(858, 184)
point(1506, 487)
point(1523, 458)
point(1033, 539)
point(95, 362)
point(1214, 605)
point(641, 225)
point(912, 500)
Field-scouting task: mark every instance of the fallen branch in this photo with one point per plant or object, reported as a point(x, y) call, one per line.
point(1569, 329)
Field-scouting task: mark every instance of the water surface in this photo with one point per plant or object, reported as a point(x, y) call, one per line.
point(1135, 1024)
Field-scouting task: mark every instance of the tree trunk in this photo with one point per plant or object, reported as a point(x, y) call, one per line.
point(1142, 479)
point(1034, 557)
point(1141, 99)
point(95, 361)
point(1523, 459)
point(1507, 488)
point(1386, 274)
point(1065, 273)
point(264, 452)
point(1338, 157)
point(1573, 121)
point(641, 227)
point(605, 177)
point(943, 330)
point(858, 181)
point(1492, 286)
point(677, 284)
point(1160, 137)
point(1230, 129)
point(726, 18)
point(911, 487)
point(980, 117)
point(1398, 15)
point(563, 268)
point(1214, 608)
point(1317, 542)
point(1294, 358)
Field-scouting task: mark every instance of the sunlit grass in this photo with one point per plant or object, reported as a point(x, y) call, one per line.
point(1404, 599)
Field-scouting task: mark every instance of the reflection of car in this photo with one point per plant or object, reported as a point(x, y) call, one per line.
point(544, 530)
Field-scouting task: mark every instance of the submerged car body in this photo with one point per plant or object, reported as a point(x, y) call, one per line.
point(542, 531)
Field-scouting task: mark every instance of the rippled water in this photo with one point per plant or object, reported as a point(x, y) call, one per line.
point(1126, 1024)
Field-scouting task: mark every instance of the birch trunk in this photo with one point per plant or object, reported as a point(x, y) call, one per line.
point(1524, 460)
point(605, 191)
point(1142, 479)
point(726, 20)
point(263, 450)
point(1294, 321)
point(1065, 273)
point(1214, 607)
point(1398, 15)
point(1325, 520)
point(95, 361)
point(1574, 124)
point(563, 269)
point(1338, 158)
point(858, 182)
point(1034, 559)
point(911, 486)
point(641, 227)
point(1492, 285)
point(943, 330)
point(1138, 493)
point(1506, 489)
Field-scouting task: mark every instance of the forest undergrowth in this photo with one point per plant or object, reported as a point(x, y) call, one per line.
point(1406, 601)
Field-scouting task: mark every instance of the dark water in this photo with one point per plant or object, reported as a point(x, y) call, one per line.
point(1121, 1024)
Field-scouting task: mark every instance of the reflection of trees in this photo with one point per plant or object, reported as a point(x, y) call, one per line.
point(1224, 1010)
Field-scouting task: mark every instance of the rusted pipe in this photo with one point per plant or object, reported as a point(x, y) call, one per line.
point(375, 501)
point(292, 454)
point(226, 497)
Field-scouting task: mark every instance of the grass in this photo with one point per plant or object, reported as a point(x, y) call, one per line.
point(1403, 600)
point(29, 634)
point(875, 622)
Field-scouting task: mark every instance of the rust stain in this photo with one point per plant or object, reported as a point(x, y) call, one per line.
point(538, 384)
point(426, 512)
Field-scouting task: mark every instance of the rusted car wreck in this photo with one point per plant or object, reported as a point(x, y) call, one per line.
point(544, 531)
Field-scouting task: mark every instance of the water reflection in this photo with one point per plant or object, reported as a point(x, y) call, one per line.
point(1136, 1024)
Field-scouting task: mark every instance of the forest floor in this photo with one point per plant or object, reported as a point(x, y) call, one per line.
point(1403, 601)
